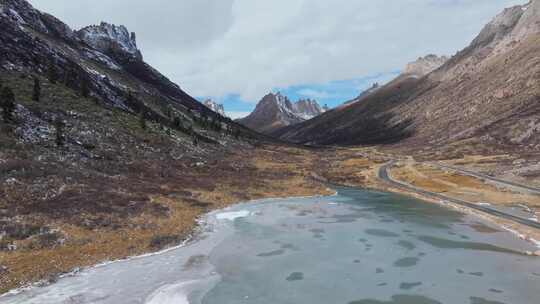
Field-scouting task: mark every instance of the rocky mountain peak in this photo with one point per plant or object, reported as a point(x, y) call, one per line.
point(276, 110)
point(425, 65)
point(512, 25)
point(499, 27)
point(109, 37)
point(214, 106)
point(308, 108)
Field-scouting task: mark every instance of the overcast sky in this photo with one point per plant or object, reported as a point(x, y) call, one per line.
point(238, 50)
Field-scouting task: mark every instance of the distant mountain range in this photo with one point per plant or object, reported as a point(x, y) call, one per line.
point(486, 96)
point(276, 111)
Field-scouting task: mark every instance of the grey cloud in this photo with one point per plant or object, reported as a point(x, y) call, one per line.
point(247, 47)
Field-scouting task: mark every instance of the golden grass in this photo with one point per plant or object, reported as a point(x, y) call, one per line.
point(280, 172)
point(462, 186)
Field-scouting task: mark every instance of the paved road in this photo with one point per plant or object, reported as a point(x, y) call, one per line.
point(383, 174)
point(487, 177)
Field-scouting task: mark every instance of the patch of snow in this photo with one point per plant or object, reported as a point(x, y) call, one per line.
point(102, 58)
point(34, 129)
point(16, 15)
point(12, 181)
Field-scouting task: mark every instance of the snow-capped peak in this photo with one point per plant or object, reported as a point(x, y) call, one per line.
point(303, 109)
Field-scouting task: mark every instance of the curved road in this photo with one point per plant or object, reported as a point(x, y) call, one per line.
point(383, 174)
point(487, 177)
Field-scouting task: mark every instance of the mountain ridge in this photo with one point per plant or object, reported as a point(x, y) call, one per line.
point(275, 111)
point(485, 95)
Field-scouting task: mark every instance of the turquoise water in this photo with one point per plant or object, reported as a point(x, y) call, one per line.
point(357, 247)
point(370, 248)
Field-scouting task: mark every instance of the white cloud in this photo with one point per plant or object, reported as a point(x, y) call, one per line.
point(248, 47)
point(311, 93)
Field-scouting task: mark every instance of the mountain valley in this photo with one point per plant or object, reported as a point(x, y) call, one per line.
point(103, 158)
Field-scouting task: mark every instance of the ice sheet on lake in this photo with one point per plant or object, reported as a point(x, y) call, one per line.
point(174, 293)
point(231, 216)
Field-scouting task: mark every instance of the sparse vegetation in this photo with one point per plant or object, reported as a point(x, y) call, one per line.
point(36, 95)
point(59, 127)
point(7, 102)
point(85, 87)
point(142, 120)
point(52, 72)
point(111, 180)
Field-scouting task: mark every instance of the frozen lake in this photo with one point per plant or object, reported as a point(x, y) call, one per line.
point(356, 247)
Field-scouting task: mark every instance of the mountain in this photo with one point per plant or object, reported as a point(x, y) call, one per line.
point(275, 111)
point(362, 95)
point(425, 65)
point(214, 106)
point(485, 97)
point(104, 59)
point(418, 68)
point(96, 145)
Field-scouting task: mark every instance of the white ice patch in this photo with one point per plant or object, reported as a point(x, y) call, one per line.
point(522, 236)
point(171, 294)
point(231, 216)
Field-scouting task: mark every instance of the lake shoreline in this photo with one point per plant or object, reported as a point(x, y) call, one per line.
point(375, 214)
point(308, 173)
point(202, 224)
point(192, 238)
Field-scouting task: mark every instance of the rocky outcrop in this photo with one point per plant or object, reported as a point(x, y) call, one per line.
point(110, 38)
point(214, 106)
point(424, 65)
point(307, 108)
point(275, 111)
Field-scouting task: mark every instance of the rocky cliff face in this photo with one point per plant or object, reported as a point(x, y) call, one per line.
point(307, 108)
point(485, 96)
point(275, 111)
point(424, 65)
point(214, 106)
point(109, 38)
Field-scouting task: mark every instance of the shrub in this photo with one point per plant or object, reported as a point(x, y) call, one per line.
point(7, 102)
point(36, 94)
point(59, 125)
